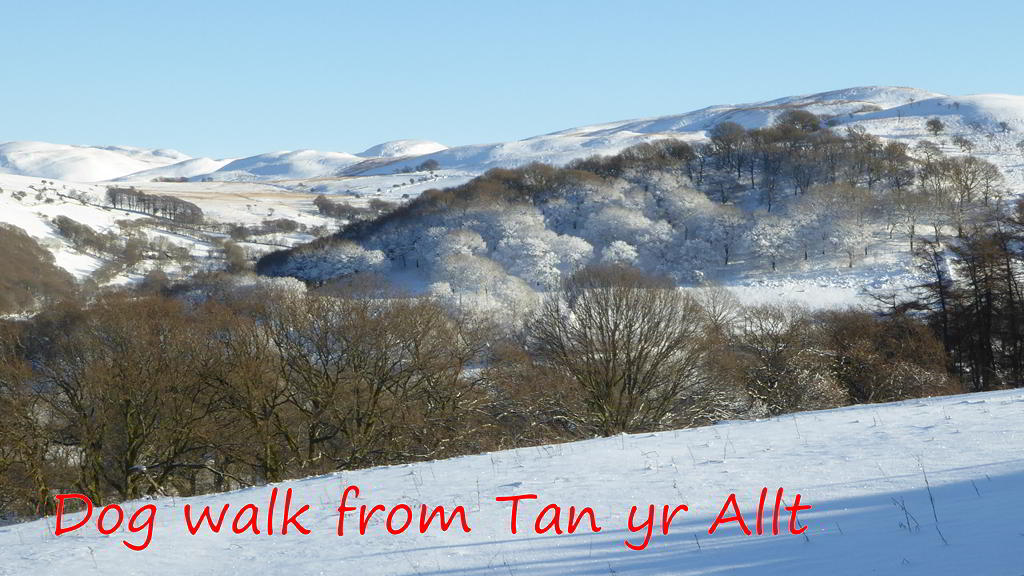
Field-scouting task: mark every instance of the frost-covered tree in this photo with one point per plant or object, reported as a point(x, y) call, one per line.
point(726, 230)
point(619, 252)
point(771, 237)
point(970, 179)
point(851, 238)
point(531, 259)
point(341, 259)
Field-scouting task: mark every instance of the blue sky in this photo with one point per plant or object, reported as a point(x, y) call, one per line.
point(237, 78)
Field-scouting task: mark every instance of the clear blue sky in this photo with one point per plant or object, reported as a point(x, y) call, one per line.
point(237, 78)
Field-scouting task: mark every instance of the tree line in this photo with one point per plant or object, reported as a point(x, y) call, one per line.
point(162, 206)
point(973, 299)
point(207, 388)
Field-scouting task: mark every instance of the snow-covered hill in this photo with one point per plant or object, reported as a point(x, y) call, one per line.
point(81, 163)
point(400, 148)
point(849, 106)
point(980, 110)
point(288, 165)
point(922, 487)
point(278, 165)
point(191, 168)
point(885, 111)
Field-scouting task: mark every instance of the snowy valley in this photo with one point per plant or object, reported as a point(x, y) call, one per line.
point(819, 293)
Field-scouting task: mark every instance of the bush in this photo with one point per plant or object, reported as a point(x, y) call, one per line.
point(885, 359)
point(428, 166)
point(801, 119)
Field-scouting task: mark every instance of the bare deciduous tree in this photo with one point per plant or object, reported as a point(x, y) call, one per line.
point(630, 344)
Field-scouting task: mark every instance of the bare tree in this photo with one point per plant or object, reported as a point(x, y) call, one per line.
point(965, 144)
point(630, 344)
point(374, 379)
point(783, 369)
point(727, 138)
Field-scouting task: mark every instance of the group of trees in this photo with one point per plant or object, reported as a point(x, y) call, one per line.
point(974, 299)
point(344, 211)
point(267, 227)
point(151, 393)
point(169, 207)
point(430, 165)
point(784, 194)
point(123, 251)
point(134, 395)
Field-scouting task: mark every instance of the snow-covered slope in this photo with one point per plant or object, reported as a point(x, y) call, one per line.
point(834, 103)
point(31, 205)
point(927, 487)
point(80, 163)
point(399, 148)
point(980, 110)
point(190, 168)
point(279, 165)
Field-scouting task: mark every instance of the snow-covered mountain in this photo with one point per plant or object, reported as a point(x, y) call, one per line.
point(287, 165)
point(191, 168)
point(401, 148)
point(862, 106)
point(879, 109)
point(919, 487)
point(107, 163)
point(81, 163)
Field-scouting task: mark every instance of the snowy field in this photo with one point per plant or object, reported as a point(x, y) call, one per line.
point(930, 487)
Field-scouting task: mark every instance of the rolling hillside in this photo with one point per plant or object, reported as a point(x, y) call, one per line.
point(919, 487)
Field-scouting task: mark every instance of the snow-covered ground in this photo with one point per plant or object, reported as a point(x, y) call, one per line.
point(930, 487)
